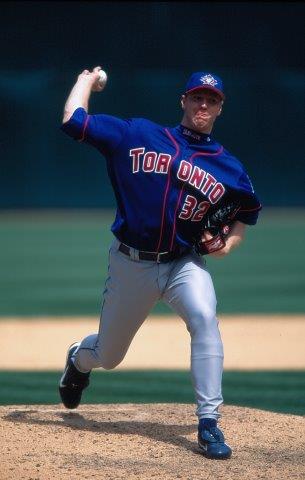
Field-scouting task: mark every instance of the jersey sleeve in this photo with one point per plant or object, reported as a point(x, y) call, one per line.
point(249, 211)
point(250, 204)
point(104, 132)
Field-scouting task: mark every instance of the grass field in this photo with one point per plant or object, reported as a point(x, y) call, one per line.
point(55, 263)
point(274, 391)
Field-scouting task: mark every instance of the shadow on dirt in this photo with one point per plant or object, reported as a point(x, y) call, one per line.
point(168, 434)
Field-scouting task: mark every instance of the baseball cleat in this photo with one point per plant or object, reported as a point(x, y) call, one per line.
point(72, 382)
point(211, 440)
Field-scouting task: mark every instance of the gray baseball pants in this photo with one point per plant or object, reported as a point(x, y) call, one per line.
point(131, 290)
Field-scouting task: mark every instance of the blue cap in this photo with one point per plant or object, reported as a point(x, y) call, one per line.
point(199, 80)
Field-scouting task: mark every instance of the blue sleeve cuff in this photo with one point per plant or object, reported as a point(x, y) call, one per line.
point(249, 218)
point(75, 126)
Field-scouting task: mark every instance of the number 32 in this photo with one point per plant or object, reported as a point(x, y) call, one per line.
point(189, 207)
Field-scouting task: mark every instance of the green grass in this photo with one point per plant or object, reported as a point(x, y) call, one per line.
point(277, 391)
point(55, 263)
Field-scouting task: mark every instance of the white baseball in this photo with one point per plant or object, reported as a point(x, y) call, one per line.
point(103, 78)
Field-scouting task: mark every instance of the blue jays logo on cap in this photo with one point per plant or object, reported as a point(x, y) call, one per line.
point(199, 80)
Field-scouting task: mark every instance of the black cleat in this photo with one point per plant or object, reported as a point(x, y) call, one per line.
point(72, 382)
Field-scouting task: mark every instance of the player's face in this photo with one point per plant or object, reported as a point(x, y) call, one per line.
point(201, 109)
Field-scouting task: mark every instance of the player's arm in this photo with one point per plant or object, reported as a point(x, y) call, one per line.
point(87, 82)
point(233, 239)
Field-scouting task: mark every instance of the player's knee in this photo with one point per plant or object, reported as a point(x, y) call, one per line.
point(202, 322)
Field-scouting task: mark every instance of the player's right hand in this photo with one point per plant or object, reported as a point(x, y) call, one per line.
point(91, 77)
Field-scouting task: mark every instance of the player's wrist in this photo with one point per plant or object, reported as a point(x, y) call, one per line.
point(221, 253)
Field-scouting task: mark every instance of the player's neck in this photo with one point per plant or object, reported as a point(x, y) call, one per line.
point(193, 128)
point(190, 133)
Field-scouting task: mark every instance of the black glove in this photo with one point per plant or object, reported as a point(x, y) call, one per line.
point(218, 225)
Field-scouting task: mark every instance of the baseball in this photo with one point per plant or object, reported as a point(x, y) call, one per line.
point(103, 78)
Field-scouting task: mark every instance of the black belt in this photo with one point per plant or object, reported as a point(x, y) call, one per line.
point(162, 257)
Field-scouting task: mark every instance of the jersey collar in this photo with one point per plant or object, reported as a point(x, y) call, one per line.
point(192, 136)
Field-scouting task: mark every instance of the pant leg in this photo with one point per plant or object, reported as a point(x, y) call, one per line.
point(190, 292)
point(131, 290)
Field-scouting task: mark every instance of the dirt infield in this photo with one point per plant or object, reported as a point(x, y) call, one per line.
point(251, 342)
point(156, 441)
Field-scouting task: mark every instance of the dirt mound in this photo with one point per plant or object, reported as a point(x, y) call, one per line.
point(145, 442)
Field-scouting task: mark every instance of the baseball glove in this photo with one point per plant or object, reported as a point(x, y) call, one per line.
point(218, 225)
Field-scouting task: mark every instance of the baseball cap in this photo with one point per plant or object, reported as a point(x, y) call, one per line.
point(199, 80)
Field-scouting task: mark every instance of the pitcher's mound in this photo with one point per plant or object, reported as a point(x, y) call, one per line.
point(151, 441)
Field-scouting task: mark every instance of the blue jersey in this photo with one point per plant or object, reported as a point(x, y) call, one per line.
point(165, 179)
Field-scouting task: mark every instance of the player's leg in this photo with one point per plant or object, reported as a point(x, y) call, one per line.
point(190, 292)
point(130, 292)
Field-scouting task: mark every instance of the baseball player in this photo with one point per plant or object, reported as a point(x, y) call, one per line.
point(180, 197)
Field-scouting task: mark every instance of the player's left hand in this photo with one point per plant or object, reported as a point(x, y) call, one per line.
point(206, 236)
point(215, 231)
point(231, 239)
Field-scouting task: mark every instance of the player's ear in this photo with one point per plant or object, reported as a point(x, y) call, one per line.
point(220, 109)
point(182, 101)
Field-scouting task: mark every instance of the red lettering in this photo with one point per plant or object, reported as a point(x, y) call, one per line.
point(135, 154)
point(149, 161)
point(163, 163)
point(200, 213)
point(210, 180)
point(216, 193)
point(197, 177)
point(188, 207)
point(185, 169)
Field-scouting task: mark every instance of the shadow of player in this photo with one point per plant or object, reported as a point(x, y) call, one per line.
point(169, 434)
